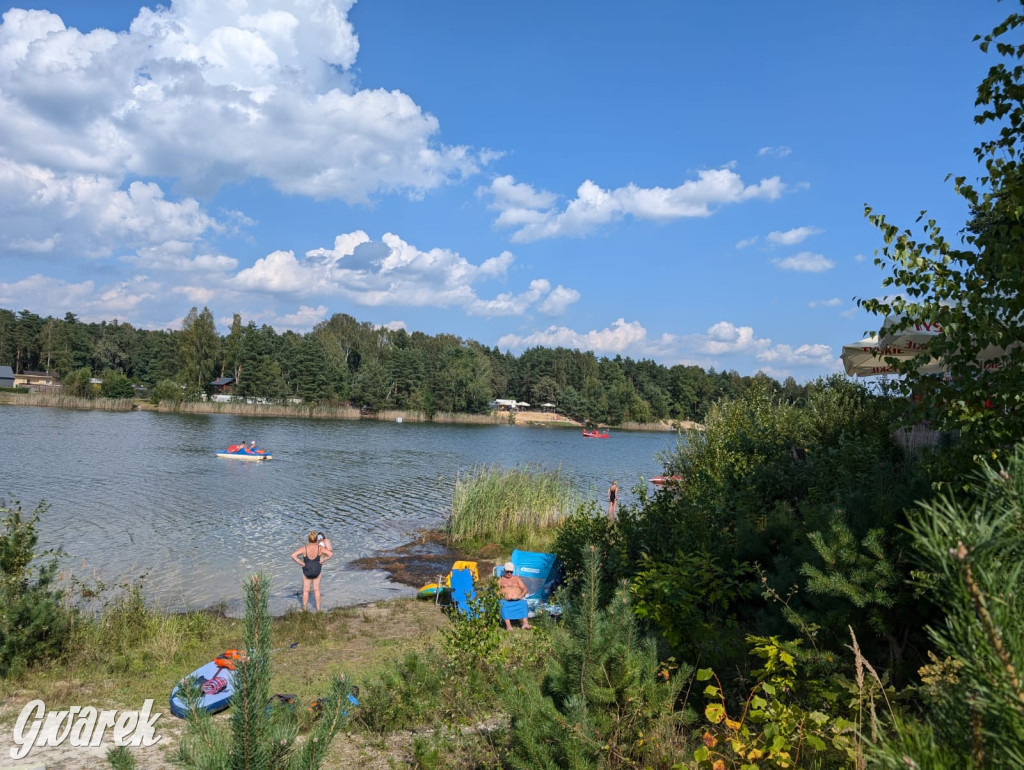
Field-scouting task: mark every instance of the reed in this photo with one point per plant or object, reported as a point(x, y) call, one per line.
point(660, 426)
point(61, 401)
point(457, 418)
point(518, 507)
point(257, 410)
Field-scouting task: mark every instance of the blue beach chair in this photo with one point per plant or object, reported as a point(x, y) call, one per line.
point(462, 590)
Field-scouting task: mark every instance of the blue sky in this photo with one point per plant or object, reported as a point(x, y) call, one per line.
point(671, 180)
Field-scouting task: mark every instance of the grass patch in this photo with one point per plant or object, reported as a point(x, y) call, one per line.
point(517, 508)
point(131, 651)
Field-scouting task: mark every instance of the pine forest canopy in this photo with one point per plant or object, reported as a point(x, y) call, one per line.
point(345, 360)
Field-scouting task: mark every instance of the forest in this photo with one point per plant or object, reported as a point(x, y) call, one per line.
point(343, 360)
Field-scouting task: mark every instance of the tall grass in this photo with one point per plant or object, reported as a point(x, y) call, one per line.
point(322, 412)
point(517, 507)
point(659, 426)
point(61, 401)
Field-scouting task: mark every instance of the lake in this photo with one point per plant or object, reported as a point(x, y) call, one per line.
point(142, 493)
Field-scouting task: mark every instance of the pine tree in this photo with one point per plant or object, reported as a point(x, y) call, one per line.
point(33, 622)
point(973, 559)
point(260, 737)
point(604, 700)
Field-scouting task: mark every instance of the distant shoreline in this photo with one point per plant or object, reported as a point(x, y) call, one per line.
point(520, 418)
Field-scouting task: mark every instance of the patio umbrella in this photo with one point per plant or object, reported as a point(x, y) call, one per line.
point(866, 358)
point(915, 338)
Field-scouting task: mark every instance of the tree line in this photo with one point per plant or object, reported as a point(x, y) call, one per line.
point(347, 361)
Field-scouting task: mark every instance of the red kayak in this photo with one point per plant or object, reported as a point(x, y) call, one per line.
point(660, 481)
point(594, 434)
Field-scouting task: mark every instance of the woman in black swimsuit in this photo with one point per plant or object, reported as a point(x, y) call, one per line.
point(613, 500)
point(311, 556)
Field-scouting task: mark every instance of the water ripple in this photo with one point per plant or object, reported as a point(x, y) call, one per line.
point(143, 492)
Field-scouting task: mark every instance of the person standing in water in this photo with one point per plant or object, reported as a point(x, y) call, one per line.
point(311, 558)
point(325, 543)
point(613, 500)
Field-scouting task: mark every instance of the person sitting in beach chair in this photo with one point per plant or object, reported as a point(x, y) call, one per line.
point(513, 592)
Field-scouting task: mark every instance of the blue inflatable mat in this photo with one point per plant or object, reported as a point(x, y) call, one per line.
point(213, 702)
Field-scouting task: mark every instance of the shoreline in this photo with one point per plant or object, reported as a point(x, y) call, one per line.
point(421, 561)
point(521, 419)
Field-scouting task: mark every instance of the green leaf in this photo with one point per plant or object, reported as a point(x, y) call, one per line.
point(704, 674)
point(702, 754)
point(711, 691)
point(715, 712)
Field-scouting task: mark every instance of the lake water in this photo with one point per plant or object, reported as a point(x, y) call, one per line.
point(143, 493)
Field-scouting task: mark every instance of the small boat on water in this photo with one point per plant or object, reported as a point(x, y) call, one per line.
point(661, 481)
point(245, 453)
point(595, 434)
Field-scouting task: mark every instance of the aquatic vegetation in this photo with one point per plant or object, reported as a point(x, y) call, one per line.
point(517, 506)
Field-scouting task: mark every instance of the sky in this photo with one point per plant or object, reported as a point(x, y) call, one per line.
point(669, 180)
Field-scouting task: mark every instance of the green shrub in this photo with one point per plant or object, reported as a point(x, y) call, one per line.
point(784, 722)
point(410, 693)
point(116, 385)
point(166, 391)
point(77, 383)
point(692, 600)
point(972, 567)
point(586, 528)
point(814, 497)
point(34, 624)
point(473, 637)
point(604, 699)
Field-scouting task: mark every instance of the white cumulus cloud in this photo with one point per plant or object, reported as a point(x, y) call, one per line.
point(722, 346)
point(621, 337)
point(393, 272)
point(805, 262)
point(833, 302)
point(535, 217)
point(793, 236)
point(210, 93)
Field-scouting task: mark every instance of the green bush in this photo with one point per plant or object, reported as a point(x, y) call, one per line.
point(34, 624)
point(77, 384)
point(693, 601)
point(605, 700)
point(116, 385)
point(813, 496)
point(166, 391)
point(412, 692)
point(584, 529)
point(972, 567)
point(473, 637)
point(785, 721)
